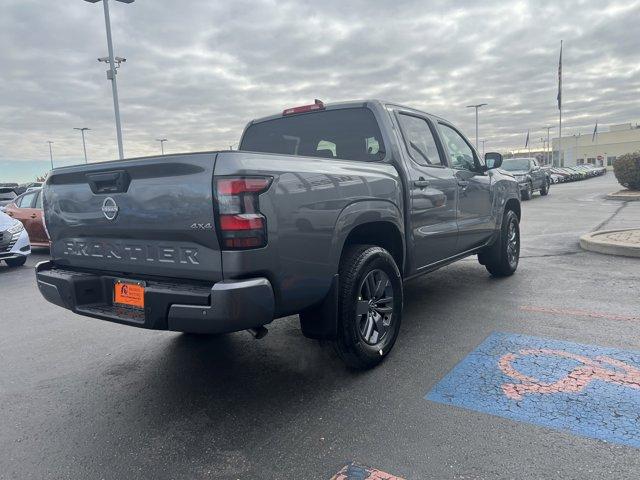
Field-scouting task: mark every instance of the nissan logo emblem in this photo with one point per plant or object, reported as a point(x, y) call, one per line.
point(110, 208)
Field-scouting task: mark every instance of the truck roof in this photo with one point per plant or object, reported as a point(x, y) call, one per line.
point(348, 104)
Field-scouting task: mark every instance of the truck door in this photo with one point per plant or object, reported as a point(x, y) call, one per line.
point(432, 187)
point(37, 225)
point(475, 222)
point(537, 174)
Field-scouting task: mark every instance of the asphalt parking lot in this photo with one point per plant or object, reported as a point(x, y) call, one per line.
point(83, 398)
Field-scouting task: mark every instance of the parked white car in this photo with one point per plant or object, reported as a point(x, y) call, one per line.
point(14, 241)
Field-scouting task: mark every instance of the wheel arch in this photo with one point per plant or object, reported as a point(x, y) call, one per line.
point(377, 223)
point(514, 205)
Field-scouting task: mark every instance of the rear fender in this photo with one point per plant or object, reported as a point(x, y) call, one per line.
point(320, 321)
point(361, 213)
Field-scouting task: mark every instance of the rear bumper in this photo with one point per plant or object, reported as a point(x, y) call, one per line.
point(227, 306)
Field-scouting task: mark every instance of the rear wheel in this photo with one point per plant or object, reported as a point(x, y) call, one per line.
point(501, 259)
point(16, 262)
point(370, 306)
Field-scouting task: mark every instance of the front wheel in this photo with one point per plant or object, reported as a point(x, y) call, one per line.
point(527, 193)
point(16, 262)
point(545, 188)
point(501, 259)
point(370, 306)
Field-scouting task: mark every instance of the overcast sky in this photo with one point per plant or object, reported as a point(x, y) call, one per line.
point(198, 70)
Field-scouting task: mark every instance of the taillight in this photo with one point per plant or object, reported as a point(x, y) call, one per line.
point(240, 223)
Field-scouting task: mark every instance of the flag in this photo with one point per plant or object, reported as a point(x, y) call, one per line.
point(526, 142)
point(595, 132)
point(560, 79)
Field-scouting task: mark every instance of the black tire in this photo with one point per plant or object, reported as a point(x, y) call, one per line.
point(497, 258)
point(359, 265)
point(544, 191)
point(16, 262)
point(528, 193)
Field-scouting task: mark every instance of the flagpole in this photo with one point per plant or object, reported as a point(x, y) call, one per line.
point(560, 163)
point(597, 145)
point(560, 139)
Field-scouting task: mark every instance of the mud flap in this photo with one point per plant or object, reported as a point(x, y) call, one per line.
point(321, 322)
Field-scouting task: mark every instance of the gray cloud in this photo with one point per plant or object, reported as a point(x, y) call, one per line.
point(197, 71)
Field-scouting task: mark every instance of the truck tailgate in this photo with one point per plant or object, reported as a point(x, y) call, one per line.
point(146, 216)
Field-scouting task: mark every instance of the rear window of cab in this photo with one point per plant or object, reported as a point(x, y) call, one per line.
point(345, 133)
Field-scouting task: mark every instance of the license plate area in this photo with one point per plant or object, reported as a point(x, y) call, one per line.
point(129, 293)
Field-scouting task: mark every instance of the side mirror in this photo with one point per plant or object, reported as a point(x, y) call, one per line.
point(493, 160)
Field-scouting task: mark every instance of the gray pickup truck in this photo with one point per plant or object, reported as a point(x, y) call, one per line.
point(324, 212)
point(529, 174)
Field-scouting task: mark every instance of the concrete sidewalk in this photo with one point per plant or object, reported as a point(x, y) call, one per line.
point(625, 195)
point(618, 235)
point(625, 243)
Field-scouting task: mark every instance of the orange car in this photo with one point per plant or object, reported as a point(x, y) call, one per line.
point(28, 209)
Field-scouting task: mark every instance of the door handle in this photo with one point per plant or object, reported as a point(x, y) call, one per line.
point(421, 183)
point(33, 215)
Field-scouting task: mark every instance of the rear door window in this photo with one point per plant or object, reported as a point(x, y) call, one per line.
point(419, 140)
point(345, 133)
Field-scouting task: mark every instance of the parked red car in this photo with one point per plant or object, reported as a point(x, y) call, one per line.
point(28, 209)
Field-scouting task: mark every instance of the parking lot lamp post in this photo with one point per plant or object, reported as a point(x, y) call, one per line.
point(477, 107)
point(50, 153)
point(161, 140)
point(547, 128)
point(84, 146)
point(111, 73)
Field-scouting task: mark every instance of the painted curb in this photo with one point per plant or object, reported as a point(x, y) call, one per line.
point(624, 195)
point(597, 242)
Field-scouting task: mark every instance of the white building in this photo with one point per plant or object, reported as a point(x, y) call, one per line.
point(602, 149)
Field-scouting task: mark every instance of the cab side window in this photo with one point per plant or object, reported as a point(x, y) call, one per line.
point(419, 140)
point(27, 200)
point(460, 153)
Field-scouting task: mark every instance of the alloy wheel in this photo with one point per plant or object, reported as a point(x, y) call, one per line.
point(374, 311)
point(513, 244)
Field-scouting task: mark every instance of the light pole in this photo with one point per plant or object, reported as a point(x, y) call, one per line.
point(161, 140)
point(483, 142)
point(548, 144)
point(50, 152)
point(84, 146)
point(477, 107)
point(111, 73)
